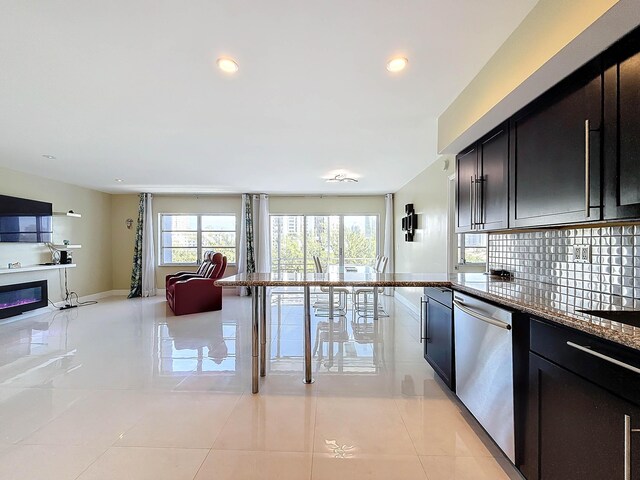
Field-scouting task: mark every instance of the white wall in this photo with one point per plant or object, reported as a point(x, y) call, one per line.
point(428, 192)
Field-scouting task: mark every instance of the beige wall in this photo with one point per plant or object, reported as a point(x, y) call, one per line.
point(122, 238)
point(549, 28)
point(126, 206)
point(428, 252)
point(92, 231)
point(310, 205)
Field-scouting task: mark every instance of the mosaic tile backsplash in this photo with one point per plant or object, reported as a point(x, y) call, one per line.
point(546, 257)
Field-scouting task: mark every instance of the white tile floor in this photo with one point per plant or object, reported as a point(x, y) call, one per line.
point(125, 390)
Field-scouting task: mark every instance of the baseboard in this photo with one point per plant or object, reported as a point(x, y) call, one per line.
point(100, 295)
point(413, 308)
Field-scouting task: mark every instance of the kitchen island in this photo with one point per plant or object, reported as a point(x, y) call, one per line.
point(259, 282)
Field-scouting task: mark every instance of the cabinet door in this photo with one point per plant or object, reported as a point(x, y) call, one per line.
point(622, 135)
point(553, 150)
point(577, 427)
point(493, 157)
point(439, 340)
point(466, 171)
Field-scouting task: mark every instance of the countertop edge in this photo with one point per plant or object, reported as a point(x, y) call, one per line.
point(566, 320)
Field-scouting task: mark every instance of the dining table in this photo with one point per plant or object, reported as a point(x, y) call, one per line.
point(343, 277)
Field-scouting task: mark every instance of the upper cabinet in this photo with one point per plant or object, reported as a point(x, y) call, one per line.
point(622, 132)
point(482, 190)
point(555, 154)
point(570, 156)
point(466, 168)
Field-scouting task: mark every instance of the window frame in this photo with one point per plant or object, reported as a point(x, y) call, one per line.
point(199, 248)
point(460, 246)
point(304, 216)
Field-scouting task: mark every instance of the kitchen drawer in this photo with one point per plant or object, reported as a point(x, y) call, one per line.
point(442, 295)
point(563, 345)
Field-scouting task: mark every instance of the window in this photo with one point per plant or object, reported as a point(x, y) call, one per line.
point(472, 249)
point(185, 237)
point(338, 240)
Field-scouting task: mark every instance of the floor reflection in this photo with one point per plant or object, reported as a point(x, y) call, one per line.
point(200, 345)
point(348, 344)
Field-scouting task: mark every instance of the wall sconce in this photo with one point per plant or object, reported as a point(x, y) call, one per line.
point(129, 222)
point(409, 222)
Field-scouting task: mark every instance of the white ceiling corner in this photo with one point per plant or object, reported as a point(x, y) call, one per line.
point(129, 89)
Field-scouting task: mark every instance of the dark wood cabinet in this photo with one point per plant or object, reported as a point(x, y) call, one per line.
point(438, 333)
point(622, 132)
point(582, 409)
point(581, 427)
point(555, 154)
point(482, 184)
point(492, 182)
point(466, 165)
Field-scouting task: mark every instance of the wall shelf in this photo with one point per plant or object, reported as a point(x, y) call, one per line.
point(66, 247)
point(36, 268)
point(67, 214)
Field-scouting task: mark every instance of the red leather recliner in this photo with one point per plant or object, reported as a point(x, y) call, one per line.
point(194, 293)
point(198, 273)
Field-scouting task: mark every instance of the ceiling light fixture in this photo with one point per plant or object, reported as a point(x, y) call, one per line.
point(50, 157)
point(397, 64)
point(119, 180)
point(341, 177)
point(227, 65)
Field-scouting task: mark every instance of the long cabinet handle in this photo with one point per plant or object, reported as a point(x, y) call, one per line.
point(471, 201)
point(422, 304)
point(587, 170)
point(480, 195)
point(481, 317)
point(604, 357)
point(426, 323)
point(627, 446)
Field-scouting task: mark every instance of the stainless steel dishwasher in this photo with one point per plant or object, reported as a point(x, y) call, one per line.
point(484, 366)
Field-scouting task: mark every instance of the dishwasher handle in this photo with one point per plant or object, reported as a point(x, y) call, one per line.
point(480, 316)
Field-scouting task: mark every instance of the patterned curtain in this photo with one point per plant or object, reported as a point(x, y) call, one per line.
point(136, 271)
point(251, 262)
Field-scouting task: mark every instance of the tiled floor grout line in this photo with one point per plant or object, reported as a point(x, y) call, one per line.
point(22, 441)
point(202, 463)
point(404, 423)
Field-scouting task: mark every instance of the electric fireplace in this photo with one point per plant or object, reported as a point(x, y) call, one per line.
point(22, 297)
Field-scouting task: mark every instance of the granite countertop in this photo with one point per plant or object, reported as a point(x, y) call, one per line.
point(543, 300)
point(546, 301)
point(346, 279)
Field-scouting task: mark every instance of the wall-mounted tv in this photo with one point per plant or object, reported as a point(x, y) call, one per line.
point(23, 220)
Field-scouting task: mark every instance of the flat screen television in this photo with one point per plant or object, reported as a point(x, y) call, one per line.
point(23, 220)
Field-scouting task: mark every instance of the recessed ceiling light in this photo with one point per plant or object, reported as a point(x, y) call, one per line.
point(340, 178)
point(50, 157)
point(227, 65)
point(119, 180)
point(397, 64)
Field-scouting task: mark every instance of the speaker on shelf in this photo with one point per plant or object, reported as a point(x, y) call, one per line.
point(66, 257)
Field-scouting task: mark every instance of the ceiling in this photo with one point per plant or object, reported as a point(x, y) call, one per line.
point(129, 89)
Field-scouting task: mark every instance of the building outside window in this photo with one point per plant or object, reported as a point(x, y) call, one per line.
point(184, 237)
point(472, 249)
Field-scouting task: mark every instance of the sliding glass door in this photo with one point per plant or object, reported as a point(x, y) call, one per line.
point(338, 240)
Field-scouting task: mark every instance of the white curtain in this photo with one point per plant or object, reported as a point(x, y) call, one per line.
point(148, 250)
point(242, 253)
point(388, 237)
point(264, 236)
